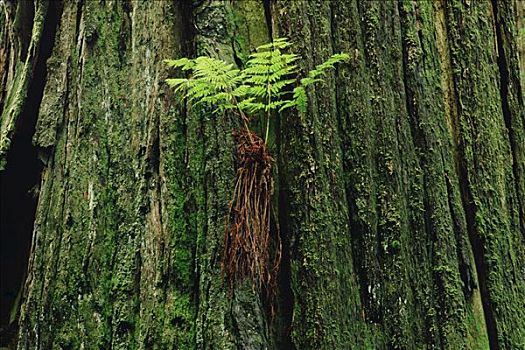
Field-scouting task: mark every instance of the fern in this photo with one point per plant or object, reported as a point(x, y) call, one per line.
point(268, 83)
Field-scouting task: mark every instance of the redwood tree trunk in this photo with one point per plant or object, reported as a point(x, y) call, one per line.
point(399, 197)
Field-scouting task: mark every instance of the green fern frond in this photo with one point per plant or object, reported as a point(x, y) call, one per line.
point(183, 63)
point(290, 57)
point(300, 98)
point(255, 70)
point(282, 73)
point(177, 83)
point(309, 81)
point(323, 67)
point(251, 106)
point(257, 91)
point(279, 43)
point(279, 85)
point(261, 55)
point(268, 82)
point(257, 80)
point(241, 91)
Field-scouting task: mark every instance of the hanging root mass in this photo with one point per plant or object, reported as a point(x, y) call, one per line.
point(247, 239)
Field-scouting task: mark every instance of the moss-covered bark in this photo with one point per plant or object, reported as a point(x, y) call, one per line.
point(399, 195)
point(325, 294)
point(490, 185)
point(22, 26)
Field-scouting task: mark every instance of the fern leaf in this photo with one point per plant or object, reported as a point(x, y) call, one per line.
point(176, 82)
point(279, 85)
point(183, 63)
point(288, 104)
point(301, 100)
point(309, 81)
point(241, 91)
point(279, 43)
point(263, 85)
point(257, 91)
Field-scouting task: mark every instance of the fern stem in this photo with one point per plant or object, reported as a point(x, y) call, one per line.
point(269, 91)
point(267, 128)
point(244, 119)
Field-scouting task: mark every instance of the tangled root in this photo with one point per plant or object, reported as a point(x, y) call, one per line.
point(247, 240)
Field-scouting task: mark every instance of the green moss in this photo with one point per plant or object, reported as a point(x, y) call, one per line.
point(323, 281)
point(249, 27)
point(18, 86)
point(490, 189)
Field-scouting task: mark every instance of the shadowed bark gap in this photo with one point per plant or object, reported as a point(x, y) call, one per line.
point(479, 253)
point(20, 187)
point(285, 297)
point(470, 214)
point(187, 27)
point(268, 16)
point(25, 13)
point(505, 81)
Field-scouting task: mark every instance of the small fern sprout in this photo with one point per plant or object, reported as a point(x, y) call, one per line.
point(269, 83)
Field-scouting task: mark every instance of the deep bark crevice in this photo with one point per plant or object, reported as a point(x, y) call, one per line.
point(469, 208)
point(451, 116)
point(187, 32)
point(188, 29)
point(19, 190)
point(80, 5)
point(267, 4)
point(286, 298)
point(465, 267)
point(504, 93)
point(357, 230)
point(23, 25)
point(478, 250)
point(285, 307)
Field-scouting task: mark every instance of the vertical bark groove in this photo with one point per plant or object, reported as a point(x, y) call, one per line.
point(511, 95)
point(21, 184)
point(475, 242)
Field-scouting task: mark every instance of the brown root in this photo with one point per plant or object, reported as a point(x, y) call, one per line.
point(247, 239)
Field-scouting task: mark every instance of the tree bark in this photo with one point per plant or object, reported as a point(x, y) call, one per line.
point(399, 197)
